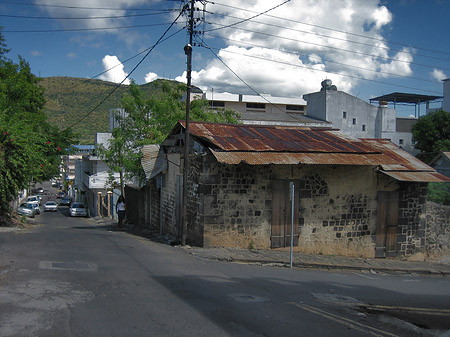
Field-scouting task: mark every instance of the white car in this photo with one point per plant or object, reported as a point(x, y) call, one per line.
point(50, 206)
point(78, 209)
point(34, 199)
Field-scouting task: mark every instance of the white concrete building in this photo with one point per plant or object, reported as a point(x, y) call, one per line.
point(264, 109)
point(446, 102)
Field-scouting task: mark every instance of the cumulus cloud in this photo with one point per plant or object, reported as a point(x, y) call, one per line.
point(114, 70)
point(438, 75)
point(289, 52)
point(150, 77)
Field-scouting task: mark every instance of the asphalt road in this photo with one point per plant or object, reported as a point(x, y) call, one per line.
point(68, 277)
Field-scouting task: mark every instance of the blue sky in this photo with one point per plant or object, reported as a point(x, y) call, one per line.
point(366, 47)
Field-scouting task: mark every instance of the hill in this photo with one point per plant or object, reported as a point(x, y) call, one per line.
point(69, 99)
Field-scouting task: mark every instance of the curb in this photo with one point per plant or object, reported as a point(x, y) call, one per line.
point(336, 267)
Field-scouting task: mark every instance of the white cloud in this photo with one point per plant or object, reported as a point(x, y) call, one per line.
point(115, 72)
point(72, 55)
point(150, 77)
point(300, 52)
point(438, 75)
point(35, 53)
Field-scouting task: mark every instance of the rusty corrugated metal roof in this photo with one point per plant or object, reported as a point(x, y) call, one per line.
point(285, 158)
point(427, 177)
point(262, 145)
point(257, 138)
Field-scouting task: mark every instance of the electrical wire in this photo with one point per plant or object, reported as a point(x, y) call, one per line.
point(333, 48)
point(319, 58)
point(313, 69)
point(85, 18)
point(78, 7)
point(241, 79)
point(328, 28)
point(122, 62)
point(82, 29)
point(126, 77)
point(248, 19)
point(325, 36)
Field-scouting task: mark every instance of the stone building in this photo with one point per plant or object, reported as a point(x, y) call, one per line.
point(351, 196)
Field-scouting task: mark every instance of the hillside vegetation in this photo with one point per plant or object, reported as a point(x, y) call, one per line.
point(68, 99)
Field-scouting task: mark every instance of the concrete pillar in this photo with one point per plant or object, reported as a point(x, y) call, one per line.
point(99, 203)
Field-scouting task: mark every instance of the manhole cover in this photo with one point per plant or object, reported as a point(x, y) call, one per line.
point(246, 298)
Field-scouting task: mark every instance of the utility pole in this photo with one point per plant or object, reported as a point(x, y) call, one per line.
point(188, 52)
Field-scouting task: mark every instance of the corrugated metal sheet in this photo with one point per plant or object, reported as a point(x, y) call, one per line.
point(152, 161)
point(397, 156)
point(257, 138)
point(262, 145)
point(283, 158)
point(427, 177)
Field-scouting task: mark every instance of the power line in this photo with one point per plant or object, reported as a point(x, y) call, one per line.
point(87, 17)
point(122, 62)
point(240, 78)
point(325, 71)
point(78, 7)
point(255, 16)
point(331, 29)
point(83, 29)
point(325, 36)
point(126, 77)
point(319, 58)
point(330, 47)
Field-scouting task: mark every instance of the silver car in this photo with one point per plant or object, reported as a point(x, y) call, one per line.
point(26, 209)
point(50, 206)
point(78, 209)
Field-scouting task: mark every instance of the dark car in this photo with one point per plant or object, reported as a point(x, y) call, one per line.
point(60, 194)
point(66, 201)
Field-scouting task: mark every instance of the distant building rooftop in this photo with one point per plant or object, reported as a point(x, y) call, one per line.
point(399, 97)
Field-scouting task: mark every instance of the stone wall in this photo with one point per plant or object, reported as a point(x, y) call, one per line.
point(411, 219)
point(337, 217)
point(236, 205)
point(438, 232)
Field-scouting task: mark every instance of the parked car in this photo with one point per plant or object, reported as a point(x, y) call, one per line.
point(34, 199)
point(26, 209)
point(35, 206)
point(60, 194)
point(50, 206)
point(78, 209)
point(40, 190)
point(66, 201)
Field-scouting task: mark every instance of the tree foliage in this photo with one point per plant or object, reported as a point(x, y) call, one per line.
point(30, 147)
point(148, 120)
point(432, 134)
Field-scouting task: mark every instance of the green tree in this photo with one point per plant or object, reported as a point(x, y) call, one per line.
point(432, 134)
point(30, 147)
point(148, 120)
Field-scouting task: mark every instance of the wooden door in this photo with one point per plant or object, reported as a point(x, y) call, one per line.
point(387, 224)
point(281, 214)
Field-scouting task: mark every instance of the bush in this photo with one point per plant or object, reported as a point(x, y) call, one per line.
point(439, 193)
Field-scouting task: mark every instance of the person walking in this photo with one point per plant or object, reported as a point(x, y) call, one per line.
point(120, 208)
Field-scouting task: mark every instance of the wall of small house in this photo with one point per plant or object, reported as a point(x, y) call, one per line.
point(411, 235)
point(235, 205)
point(169, 213)
point(438, 232)
point(337, 213)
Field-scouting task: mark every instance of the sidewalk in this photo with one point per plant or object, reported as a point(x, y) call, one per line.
point(302, 260)
point(330, 262)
